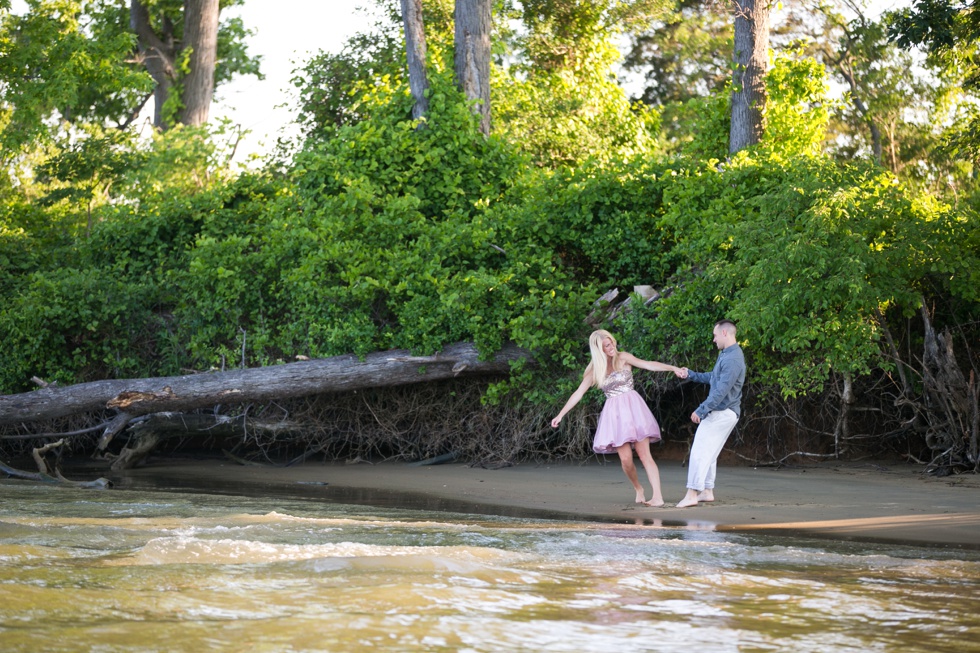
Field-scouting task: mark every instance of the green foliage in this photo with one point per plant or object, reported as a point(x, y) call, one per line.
point(602, 221)
point(108, 170)
point(233, 56)
point(181, 161)
point(939, 25)
point(950, 33)
point(558, 97)
point(701, 127)
point(898, 108)
point(385, 232)
point(805, 256)
point(73, 324)
point(797, 112)
point(390, 233)
point(566, 116)
point(374, 241)
point(796, 118)
point(331, 84)
point(441, 163)
point(49, 65)
point(18, 257)
point(684, 55)
point(385, 239)
point(84, 170)
point(562, 34)
point(174, 104)
point(809, 295)
point(328, 82)
point(553, 90)
point(69, 63)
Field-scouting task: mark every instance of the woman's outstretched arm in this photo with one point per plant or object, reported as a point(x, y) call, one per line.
point(652, 366)
point(576, 396)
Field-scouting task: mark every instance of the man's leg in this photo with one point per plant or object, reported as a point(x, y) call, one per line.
point(709, 480)
point(709, 440)
point(726, 422)
point(707, 495)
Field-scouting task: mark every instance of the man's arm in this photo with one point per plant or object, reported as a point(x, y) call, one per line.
point(728, 373)
point(700, 377)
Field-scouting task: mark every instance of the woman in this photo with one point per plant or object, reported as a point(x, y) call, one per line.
point(626, 421)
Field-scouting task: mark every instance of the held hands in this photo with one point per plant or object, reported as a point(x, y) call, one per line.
point(681, 372)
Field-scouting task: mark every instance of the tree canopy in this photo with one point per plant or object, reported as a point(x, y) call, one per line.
point(831, 247)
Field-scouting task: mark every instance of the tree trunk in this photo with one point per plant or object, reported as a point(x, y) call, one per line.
point(842, 431)
point(182, 393)
point(418, 79)
point(950, 402)
point(472, 56)
point(750, 60)
point(158, 54)
point(201, 37)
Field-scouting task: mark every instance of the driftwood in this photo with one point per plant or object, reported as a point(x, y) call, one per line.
point(44, 475)
point(150, 430)
point(611, 305)
point(134, 397)
point(952, 412)
point(156, 409)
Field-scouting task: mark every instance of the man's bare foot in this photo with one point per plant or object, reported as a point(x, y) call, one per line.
point(690, 499)
point(706, 496)
point(654, 503)
point(641, 497)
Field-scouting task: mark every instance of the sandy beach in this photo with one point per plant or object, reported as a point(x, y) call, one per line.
point(874, 502)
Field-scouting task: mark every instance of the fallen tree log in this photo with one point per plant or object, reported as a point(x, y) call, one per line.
point(134, 397)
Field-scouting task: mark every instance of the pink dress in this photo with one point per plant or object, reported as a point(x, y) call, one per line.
point(624, 417)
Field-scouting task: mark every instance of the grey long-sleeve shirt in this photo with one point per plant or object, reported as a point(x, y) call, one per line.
point(726, 381)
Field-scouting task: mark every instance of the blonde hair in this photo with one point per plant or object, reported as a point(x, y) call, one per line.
point(599, 368)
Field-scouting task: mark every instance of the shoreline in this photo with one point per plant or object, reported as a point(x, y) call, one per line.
point(864, 502)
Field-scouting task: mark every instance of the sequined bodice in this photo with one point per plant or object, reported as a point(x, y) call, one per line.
point(618, 383)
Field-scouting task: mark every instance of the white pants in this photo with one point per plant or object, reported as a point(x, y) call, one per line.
point(709, 439)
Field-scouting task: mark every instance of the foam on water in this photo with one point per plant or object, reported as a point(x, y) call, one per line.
point(192, 550)
point(126, 571)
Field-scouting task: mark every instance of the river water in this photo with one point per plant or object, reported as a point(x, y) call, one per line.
point(145, 570)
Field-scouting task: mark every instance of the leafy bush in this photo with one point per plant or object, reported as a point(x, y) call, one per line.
point(392, 233)
point(72, 325)
point(805, 256)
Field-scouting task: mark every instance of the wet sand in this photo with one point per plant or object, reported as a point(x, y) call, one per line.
point(873, 502)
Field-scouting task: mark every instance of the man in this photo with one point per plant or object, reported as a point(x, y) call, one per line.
point(716, 416)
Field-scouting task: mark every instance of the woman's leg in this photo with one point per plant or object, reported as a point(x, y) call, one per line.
point(653, 472)
point(626, 460)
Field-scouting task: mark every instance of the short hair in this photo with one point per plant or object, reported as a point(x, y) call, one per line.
point(726, 324)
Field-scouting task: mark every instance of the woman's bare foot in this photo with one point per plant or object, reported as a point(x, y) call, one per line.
point(641, 496)
point(706, 496)
point(654, 503)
